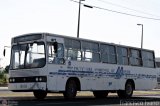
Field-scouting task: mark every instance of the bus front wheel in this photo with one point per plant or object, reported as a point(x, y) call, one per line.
point(127, 93)
point(40, 94)
point(71, 89)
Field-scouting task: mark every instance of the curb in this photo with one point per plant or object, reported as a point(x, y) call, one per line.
point(4, 89)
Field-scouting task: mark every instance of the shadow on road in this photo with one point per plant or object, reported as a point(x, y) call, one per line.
point(82, 101)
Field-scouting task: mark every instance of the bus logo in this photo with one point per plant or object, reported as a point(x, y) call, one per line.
point(119, 72)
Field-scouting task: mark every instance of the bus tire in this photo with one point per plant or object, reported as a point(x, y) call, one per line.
point(71, 89)
point(127, 93)
point(120, 93)
point(100, 94)
point(39, 94)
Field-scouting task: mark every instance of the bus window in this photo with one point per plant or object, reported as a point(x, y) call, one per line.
point(122, 55)
point(87, 56)
point(108, 54)
point(55, 44)
point(30, 55)
point(148, 59)
point(104, 53)
point(56, 54)
point(96, 57)
point(72, 49)
point(90, 51)
point(51, 53)
point(112, 55)
point(73, 54)
point(135, 57)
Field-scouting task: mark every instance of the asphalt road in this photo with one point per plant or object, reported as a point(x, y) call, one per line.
point(83, 101)
point(112, 100)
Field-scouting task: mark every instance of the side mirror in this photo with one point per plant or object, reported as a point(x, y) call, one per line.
point(55, 44)
point(4, 52)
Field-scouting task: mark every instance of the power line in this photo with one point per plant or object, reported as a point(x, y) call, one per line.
point(119, 12)
point(126, 13)
point(106, 2)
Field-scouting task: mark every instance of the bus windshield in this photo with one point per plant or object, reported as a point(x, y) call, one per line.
point(29, 55)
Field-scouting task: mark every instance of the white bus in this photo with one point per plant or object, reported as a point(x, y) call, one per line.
point(43, 63)
point(158, 73)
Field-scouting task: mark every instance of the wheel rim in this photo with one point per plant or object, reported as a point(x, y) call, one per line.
point(129, 89)
point(71, 88)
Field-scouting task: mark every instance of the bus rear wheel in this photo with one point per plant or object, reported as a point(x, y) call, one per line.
point(39, 94)
point(127, 93)
point(100, 94)
point(71, 90)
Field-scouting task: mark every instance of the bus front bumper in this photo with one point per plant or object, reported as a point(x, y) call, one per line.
point(27, 86)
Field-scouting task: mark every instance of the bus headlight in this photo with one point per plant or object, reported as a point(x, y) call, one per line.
point(37, 79)
point(13, 80)
point(10, 80)
point(40, 79)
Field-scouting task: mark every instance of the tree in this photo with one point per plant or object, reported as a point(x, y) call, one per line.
point(7, 69)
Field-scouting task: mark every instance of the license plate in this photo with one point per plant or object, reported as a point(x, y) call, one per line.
point(23, 86)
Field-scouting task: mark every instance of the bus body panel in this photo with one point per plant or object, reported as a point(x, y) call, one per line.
point(91, 75)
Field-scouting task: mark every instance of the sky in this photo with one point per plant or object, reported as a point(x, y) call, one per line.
point(19, 17)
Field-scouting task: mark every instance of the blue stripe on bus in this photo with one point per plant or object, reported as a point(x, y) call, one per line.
point(119, 74)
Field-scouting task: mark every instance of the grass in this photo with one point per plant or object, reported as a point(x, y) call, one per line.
point(3, 78)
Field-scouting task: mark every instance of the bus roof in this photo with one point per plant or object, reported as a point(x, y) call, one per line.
point(64, 36)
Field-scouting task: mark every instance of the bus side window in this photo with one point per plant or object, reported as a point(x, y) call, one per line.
point(135, 57)
point(73, 50)
point(108, 54)
point(148, 59)
point(55, 44)
point(59, 59)
point(58, 56)
point(90, 51)
point(122, 55)
point(51, 53)
point(60, 51)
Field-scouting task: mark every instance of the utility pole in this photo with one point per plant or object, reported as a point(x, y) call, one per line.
point(141, 35)
point(79, 13)
point(79, 16)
